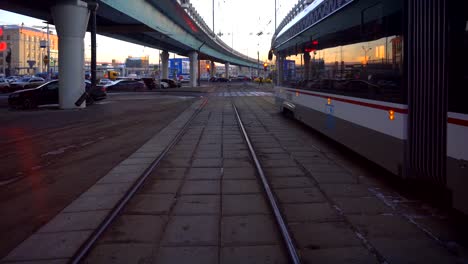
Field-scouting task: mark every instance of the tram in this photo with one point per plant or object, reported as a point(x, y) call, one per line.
point(386, 78)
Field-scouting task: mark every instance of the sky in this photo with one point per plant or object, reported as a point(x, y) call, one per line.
point(237, 21)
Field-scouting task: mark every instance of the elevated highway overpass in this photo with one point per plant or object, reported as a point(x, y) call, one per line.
point(172, 26)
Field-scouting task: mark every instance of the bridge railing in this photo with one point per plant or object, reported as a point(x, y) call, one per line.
point(192, 12)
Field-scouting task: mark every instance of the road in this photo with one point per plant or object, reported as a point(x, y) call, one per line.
point(49, 156)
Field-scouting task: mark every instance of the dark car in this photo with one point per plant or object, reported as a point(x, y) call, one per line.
point(4, 86)
point(172, 83)
point(47, 93)
point(213, 79)
point(26, 83)
point(222, 79)
point(125, 85)
point(98, 93)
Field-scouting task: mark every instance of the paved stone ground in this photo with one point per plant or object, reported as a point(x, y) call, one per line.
point(204, 204)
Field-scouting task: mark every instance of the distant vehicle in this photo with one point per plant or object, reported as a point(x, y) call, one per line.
point(47, 93)
point(26, 83)
point(132, 75)
point(172, 83)
point(4, 85)
point(11, 79)
point(184, 78)
point(125, 85)
point(104, 81)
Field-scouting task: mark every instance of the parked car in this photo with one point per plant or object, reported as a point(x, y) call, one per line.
point(125, 85)
point(222, 79)
point(104, 81)
point(98, 93)
point(213, 79)
point(47, 93)
point(172, 83)
point(11, 79)
point(184, 78)
point(26, 83)
point(4, 85)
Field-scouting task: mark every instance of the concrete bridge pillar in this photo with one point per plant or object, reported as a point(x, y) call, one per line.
point(71, 19)
point(213, 69)
point(193, 57)
point(226, 67)
point(306, 65)
point(165, 64)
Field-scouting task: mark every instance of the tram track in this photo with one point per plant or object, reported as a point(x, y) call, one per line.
point(90, 242)
point(275, 211)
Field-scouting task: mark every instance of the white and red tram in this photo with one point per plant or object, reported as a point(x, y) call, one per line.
point(386, 78)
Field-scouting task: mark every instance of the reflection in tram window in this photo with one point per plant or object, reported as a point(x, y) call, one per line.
point(371, 69)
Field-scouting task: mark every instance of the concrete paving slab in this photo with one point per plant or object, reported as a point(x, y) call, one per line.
point(49, 261)
point(150, 204)
point(291, 182)
point(229, 154)
point(48, 246)
point(175, 163)
point(135, 229)
point(192, 255)
point(362, 205)
point(237, 163)
point(334, 177)
point(271, 150)
point(135, 161)
point(207, 163)
point(119, 178)
point(201, 187)
point(160, 186)
point(136, 168)
point(268, 163)
point(121, 253)
point(239, 230)
point(386, 226)
point(204, 174)
point(179, 155)
point(168, 173)
point(346, 255)
point(304, 195)
point(64, 222)
point(240, 186)
point(274, 156)
point(209, 147)
point(108, 189)
point(240, 146)
point(93, 203)
point(413, 251)
point(201, 154)
point(197, 205)
point(284, 172)
point(324, 235)
point(192, 231)
point(244, 204)
point(345, 190)
point(239, 173)
point(254, 254)
point(310, 212)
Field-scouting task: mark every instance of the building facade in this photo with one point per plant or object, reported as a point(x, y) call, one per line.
point(24, 43)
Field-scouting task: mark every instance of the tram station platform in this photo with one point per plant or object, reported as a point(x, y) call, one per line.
point(203, 200)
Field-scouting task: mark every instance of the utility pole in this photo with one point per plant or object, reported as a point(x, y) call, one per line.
point(48, 53)
point(258, 62)
point(213, 17)
point(93, 6)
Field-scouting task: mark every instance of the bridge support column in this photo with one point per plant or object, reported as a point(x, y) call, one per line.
point(193, 56)
point(165, 64)
point(71, 19)
point(226, 69)
point(306, 65)
point(213, 69)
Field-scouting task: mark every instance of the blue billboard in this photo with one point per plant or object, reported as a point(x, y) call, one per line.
point(179, 66)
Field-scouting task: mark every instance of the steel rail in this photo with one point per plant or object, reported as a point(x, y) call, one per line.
point(88, 244)
point(271, 198)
